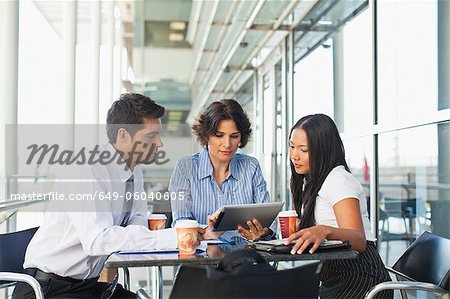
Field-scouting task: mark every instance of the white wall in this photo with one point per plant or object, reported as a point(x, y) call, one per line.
point(163, 63)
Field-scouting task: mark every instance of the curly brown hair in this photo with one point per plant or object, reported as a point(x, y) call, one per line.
point(208, 120)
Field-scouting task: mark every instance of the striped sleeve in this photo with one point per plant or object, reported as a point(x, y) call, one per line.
point(180, 185)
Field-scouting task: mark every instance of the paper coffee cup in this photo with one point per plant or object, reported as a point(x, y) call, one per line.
point(157, 221)
point(187, 234)
point(288, 223)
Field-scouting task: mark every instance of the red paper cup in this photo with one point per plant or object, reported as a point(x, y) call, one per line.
point(157, 221)
point(288, 223)
point(187, 235)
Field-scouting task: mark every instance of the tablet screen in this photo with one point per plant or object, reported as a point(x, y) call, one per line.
point(233, 216)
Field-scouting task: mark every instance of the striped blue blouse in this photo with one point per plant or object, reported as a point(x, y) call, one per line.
point(199, 195)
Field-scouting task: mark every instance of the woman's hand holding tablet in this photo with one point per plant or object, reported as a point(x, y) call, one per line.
point(210, 234)
point(251, 220)
point(255, 230)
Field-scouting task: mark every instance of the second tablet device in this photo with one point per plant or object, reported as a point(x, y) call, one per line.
point(232, 216)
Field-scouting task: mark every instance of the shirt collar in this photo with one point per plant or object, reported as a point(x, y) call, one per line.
point(205, 167)
point(123, 173)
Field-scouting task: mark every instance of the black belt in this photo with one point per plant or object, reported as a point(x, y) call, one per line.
point(45, 277)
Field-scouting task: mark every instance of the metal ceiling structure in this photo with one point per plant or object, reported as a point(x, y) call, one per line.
point(229, 35)
point(227, 39)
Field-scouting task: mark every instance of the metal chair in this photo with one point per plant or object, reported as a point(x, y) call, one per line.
point(425, 265)
point(12, 255)
point(409, 211)
point(404, 209)
point(141, 294)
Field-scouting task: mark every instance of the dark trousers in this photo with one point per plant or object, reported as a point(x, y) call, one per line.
point(55, 286)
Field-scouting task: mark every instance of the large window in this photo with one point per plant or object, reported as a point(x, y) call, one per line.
point(358, 73)
point(41, 80)
point(358, 153)
point(414, 185)
point(414, 180)
point(412, 152)
point(245, 97)
point(313, 83)
point(407, 60)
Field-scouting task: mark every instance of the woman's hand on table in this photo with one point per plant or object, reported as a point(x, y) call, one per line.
point(254, 232)
point(308, 237)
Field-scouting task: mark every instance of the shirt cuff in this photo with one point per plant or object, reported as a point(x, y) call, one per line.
point(270, 236)
point(166, 238)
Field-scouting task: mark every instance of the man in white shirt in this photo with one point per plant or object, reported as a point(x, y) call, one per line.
point(69, 250)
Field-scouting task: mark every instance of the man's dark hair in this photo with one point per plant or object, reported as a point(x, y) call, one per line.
point(209, 119)
point(128, 111)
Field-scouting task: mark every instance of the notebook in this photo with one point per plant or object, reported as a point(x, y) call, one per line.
point(278, 246)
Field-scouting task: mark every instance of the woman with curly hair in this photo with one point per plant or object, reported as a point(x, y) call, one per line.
point(218, 175)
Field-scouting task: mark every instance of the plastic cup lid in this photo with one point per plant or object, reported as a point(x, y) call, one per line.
point(186, 223)
point(157, 216)
point(290, 213)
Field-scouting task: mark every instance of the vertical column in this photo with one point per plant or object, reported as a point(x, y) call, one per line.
point(443, 54)
point(256, 115)
point(143, 66)
point(290, 79)
point(9, 73)
point(70, 39)
point(9, 61)
point(269, 131)
point(338, 79)
point(119, 39)
point(289, 118)
point(285, 68)
point(439, 209)
point(110, 67)
point(95, 28)
point(374, 171)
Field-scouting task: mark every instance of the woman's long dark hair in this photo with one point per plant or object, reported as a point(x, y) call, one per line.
point(326, 151)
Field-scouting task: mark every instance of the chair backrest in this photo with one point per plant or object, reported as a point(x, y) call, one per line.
point(427, 259)
point(301, 282)
point(163, 207)
point(406, 207)
point(12, 249)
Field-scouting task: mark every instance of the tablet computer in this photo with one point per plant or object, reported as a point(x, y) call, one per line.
point(232, 216)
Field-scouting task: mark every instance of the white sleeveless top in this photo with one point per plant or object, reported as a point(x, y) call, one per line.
point(339, 185)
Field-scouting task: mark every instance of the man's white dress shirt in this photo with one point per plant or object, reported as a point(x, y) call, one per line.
point(76, 237)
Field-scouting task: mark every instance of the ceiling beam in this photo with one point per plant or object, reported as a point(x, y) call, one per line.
point(203, 41)
point(196, 9)
point(206, 91)
point(261, 44)
point(223, 29)
point(270, 27)
point(316, 28)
